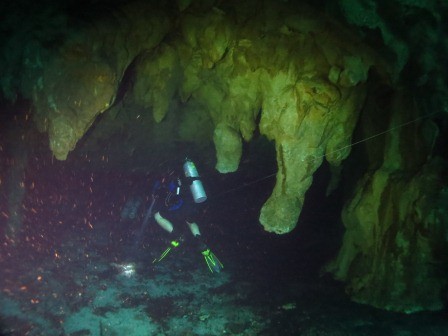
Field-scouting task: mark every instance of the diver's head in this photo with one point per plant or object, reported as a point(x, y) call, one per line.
point(169, 174)
point(171, 169)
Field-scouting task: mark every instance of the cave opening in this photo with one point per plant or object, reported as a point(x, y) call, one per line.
point(308, 247)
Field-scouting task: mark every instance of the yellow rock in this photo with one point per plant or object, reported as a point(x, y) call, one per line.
point(297, 72)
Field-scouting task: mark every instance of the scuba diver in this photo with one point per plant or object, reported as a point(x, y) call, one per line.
point(170, 197)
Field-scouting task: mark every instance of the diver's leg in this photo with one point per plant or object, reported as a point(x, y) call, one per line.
point(194, 229)
point(213, 263)
point(163, 222)
point(167, 226)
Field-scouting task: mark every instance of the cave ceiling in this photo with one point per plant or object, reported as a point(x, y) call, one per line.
point(218, 73)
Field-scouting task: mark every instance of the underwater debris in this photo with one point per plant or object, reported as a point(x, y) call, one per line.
point(288, 306)
point(127, 270)
point(102, 311)
point(129, 300)
point(204, 317)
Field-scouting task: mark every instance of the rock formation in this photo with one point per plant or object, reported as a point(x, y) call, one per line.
point(301, 76)
point(395, 220)
point(292, 74)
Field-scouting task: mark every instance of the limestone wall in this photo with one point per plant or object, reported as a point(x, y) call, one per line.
point(396, 220)
point(294, 75)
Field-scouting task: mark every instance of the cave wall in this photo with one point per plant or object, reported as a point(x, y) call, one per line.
point(292, 74)
point(395, 219)
point(222, 72)
point(79, 79)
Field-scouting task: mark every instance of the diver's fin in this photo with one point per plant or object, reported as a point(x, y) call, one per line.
point(173, 244)
point(212, 261)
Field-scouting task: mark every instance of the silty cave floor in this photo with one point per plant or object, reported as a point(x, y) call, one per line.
point(88, 296)
point(63, 278)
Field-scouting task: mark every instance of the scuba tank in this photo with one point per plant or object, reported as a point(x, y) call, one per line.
point(196, 188)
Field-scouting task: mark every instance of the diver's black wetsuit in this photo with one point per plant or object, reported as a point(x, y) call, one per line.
point(175, 211)
point(177, 208)
point(171, 205)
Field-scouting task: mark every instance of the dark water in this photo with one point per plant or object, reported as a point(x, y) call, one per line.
point(62, 277)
